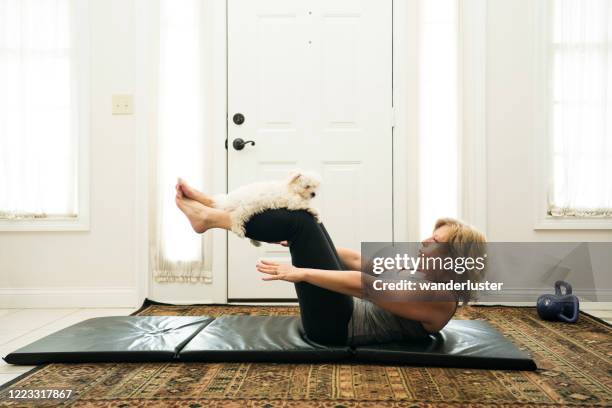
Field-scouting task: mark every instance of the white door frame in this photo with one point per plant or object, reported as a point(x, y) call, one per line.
point(219, 157)
point(405, 147)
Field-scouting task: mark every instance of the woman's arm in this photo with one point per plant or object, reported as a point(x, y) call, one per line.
point(345, 282)
point(432, 309)
point(350, 259)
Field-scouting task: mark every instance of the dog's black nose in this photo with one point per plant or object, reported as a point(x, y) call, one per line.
point(313, 194)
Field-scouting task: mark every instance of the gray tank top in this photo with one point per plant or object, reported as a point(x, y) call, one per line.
point(370, 324)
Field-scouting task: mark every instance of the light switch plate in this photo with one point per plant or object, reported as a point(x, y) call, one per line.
point(123, 104)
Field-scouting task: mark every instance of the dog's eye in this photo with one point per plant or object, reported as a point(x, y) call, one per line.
point(308, 186)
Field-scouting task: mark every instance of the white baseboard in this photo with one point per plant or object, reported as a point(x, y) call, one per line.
point(69, 297)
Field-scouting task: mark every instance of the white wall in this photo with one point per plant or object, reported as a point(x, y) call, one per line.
point(511, 160)
point(39, 268)
point(511, 157)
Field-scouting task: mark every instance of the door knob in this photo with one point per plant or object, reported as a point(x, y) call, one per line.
point(240, 143)
point(238, 118)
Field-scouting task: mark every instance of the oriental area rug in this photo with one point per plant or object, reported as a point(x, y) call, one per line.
point(574, 369)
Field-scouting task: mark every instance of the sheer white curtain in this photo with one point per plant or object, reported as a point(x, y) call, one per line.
point(438, 112)
point(581, 103)
point(39, 118)
point(178, 254)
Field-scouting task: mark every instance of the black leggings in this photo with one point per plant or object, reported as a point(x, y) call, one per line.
point(325, 314)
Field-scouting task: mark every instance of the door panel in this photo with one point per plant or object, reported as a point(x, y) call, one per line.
point(313, 80)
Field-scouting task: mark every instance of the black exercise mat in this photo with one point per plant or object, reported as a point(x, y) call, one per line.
point(462, 343)
point(113, 338)
point(258, 338)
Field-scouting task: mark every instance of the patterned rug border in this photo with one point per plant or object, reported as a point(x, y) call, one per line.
point(259, 402)
point(583, 313)
point(301, 403)
point(149, 302)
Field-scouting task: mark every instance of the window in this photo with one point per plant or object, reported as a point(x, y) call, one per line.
point(578, 71)
point(184, 142)
point(42, 108)
point(438, 112)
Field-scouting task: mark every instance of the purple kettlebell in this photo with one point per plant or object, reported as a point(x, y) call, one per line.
point(562, 306)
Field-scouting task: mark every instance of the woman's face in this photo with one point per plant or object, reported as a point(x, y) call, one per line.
point(434, 247)
point(439, 235)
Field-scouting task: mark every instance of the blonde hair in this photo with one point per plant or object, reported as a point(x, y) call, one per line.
point(465, 241)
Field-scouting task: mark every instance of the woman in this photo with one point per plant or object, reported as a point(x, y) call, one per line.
point(328, 280)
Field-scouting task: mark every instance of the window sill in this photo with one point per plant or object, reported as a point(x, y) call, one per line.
point(45, 224)
point(571, 223)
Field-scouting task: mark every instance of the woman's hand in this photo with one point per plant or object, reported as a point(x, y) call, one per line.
point(276, 271)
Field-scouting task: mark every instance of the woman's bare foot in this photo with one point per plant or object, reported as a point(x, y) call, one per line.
point(190, 192)
point(201, 217)
point(197, 213)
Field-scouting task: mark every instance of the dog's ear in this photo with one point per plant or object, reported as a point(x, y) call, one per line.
point(294, 176)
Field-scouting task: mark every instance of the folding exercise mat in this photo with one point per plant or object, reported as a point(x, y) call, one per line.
point(462, 343)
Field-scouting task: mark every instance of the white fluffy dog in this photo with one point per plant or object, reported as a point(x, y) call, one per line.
point(294, 193)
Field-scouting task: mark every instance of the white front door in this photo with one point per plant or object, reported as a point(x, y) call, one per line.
point(312, 81)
